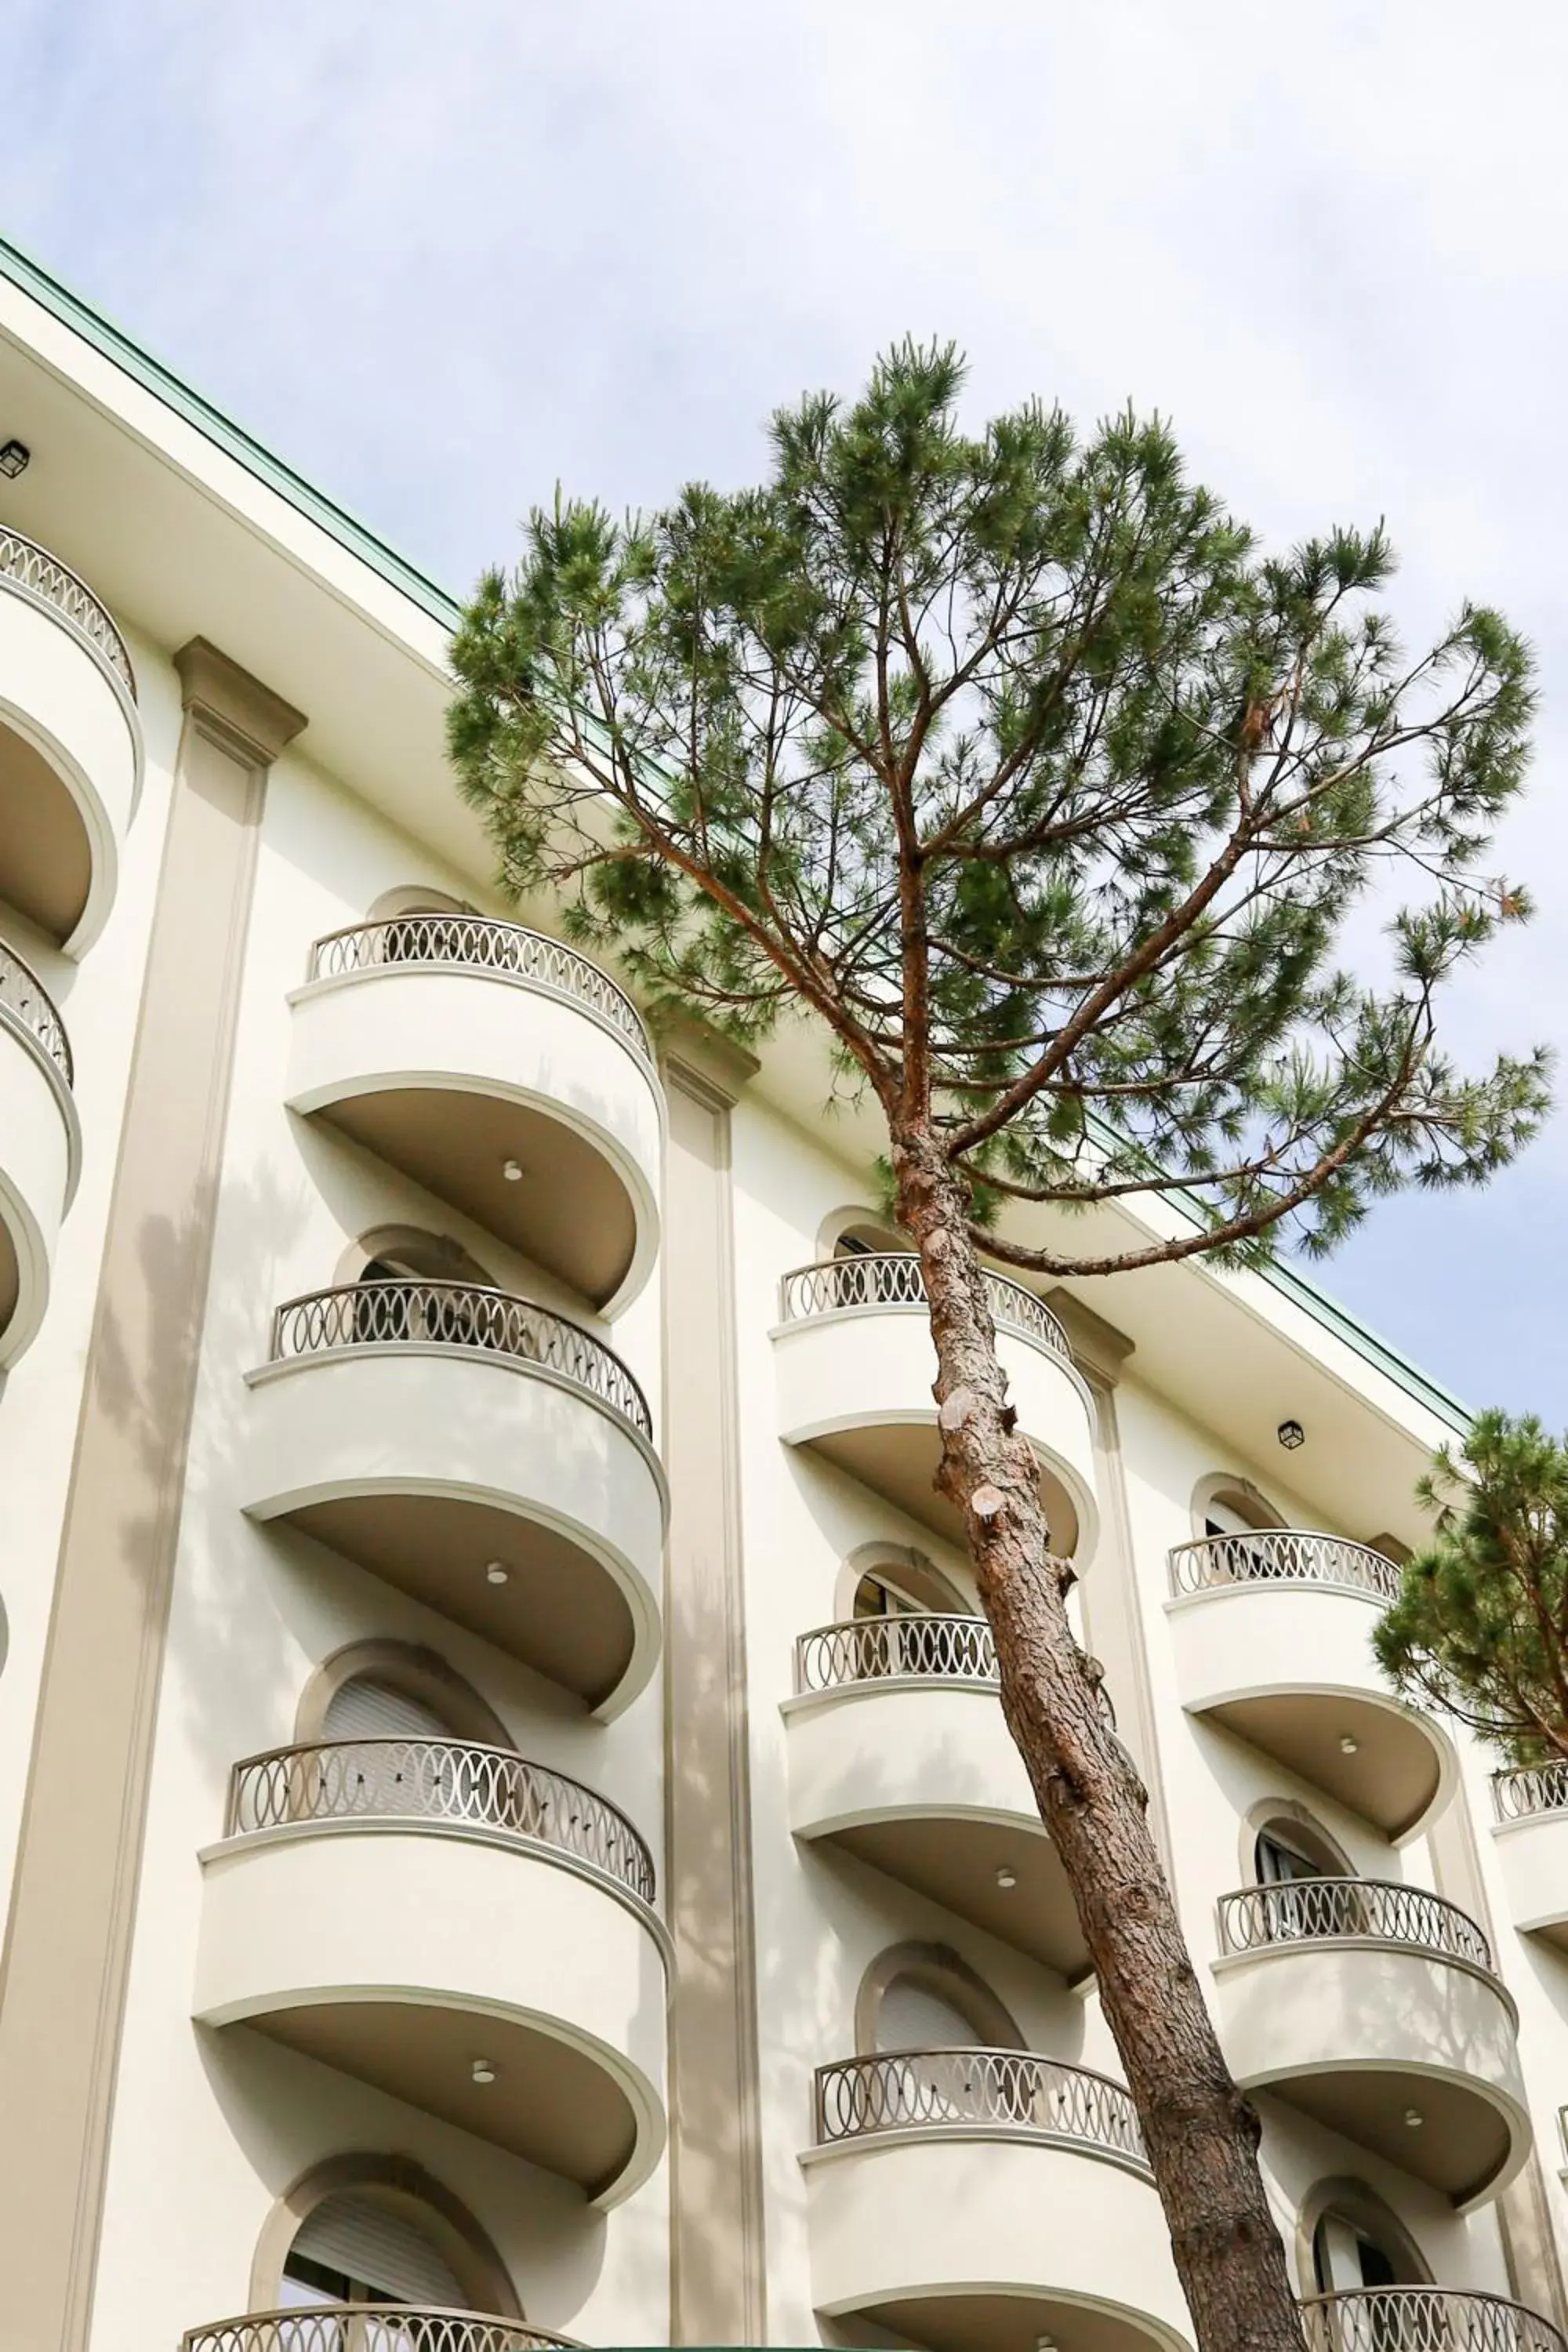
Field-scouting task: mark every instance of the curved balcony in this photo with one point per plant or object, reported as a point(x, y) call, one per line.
point(1532, 1833)
point(966, 2198)
point(900, 1755)
point(480, 1453)
point(856, 1366)
point(503, 1072)
point(1375, 2009)
point(337, 2327)
point(40, 1149)
point(1272, 1633)
point(70, 745)
point(1425, 2319)
point(467, 1931)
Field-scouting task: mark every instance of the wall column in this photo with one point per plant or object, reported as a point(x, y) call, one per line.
point(68, 1946)
point(717, 2282)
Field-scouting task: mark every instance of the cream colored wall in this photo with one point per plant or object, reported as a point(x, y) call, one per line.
point(211, 2128)
point(96, 999)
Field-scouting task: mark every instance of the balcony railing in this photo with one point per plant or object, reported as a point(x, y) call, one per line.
point(1532, 1789)
point(896, 1278)
point(1302, 1910)
point(1282, 1556)
point(25, 999)
point(967, 2089)
point(52, 583)
point(365, 2327)
point(873, 1649)
point(481, 943)
point(458, 1315)
point(1425, 2319)
point(437, 1781)
point(934, 1648)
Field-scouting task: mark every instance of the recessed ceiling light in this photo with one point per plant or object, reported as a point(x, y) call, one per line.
point(482, 2071)
point(1291, 1435)
point(512, 1170)
point(1350, 1744)
point(497, 1572)
point(14, 459)
point(1414, 2118)
point(1006, 1879)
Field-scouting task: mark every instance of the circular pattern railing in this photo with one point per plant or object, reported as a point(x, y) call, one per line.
point(902, 2090)
point(1532, 1788)
point(1282, 1556)
point(23, 996)
point(896, 1278)
point(1423, 2319)
point(373, 1314)
point(1300, 1910)
point(370, 2327)
point(931, 1648)
point(437, 1781)
point(56, 584)
point(480, 943)
point(872, 1649)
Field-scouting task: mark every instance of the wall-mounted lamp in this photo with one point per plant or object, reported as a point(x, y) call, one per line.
point(1291, 1435)
point(14, 459)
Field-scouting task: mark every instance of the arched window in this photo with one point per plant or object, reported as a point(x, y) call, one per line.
point(353, 2248)
point(1357, 2241)
point(1291, 1845)
point(380, 1689)
point(904, 1584)
point(390, 1310)
point(376, 2230)
point(420, 925)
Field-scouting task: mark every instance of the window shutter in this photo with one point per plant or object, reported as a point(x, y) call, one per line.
point(375, 2245)
point(365, 1709)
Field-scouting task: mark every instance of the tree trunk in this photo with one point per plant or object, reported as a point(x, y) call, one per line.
point(1201, 2133)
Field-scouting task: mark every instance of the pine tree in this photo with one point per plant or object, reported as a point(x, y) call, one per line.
point(1480, 1626)
point(1009, 761)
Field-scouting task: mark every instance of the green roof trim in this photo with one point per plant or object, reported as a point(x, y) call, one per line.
point(1437, 1400)
point(114, 344)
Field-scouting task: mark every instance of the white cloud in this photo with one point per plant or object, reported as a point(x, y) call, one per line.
point(440, 257)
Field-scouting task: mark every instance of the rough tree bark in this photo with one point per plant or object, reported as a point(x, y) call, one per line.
point(1201, 2132)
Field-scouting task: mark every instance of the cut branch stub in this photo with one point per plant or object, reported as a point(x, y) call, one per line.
point(956, 1409)
point(986, 1501)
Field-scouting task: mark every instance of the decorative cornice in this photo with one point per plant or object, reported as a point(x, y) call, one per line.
point(1098, 1346)
point(259, 720)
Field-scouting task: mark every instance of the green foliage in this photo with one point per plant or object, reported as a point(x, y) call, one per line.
point(1480, 1626)
point(1014, 759)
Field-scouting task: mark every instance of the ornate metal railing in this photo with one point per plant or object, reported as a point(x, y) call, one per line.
point(871, 1649)
point(1532, 1788)
point(1282, 1556)
point(55, 583)
point(908, 2089)
point(369, 2327)
point(895, 1278)
point(23, 996)
point(480, 943)
point(934, 1648)
point(1423, 2319)
point(437, 1781)
point(1300, 1910)
point(457, 1314)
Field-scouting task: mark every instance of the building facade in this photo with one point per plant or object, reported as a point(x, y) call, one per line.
point(504, 1809)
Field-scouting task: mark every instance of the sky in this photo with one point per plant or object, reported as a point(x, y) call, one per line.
point(441, 258)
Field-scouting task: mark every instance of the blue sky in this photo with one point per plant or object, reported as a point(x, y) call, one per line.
point(441, 258)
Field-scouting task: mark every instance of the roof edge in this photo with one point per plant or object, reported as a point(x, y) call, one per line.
point(113, 344)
